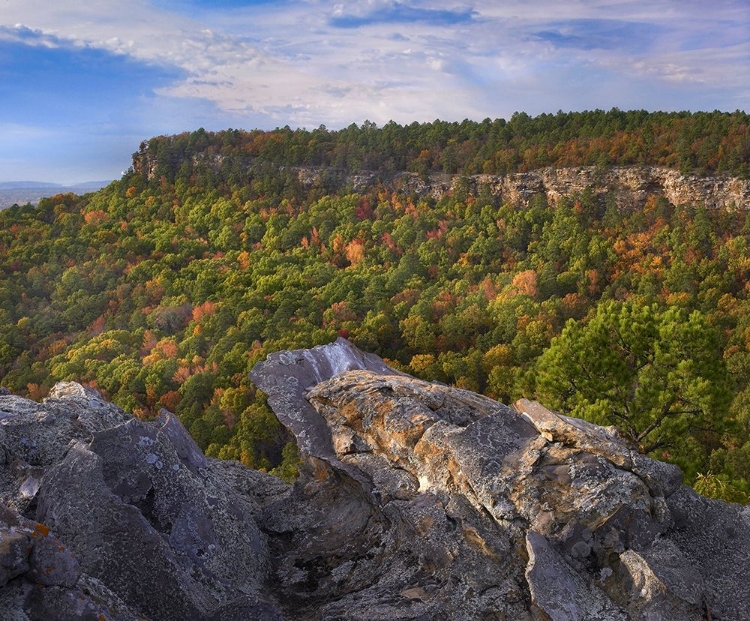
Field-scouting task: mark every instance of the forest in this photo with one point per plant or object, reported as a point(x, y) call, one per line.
point(166, 287)
point(703, 143)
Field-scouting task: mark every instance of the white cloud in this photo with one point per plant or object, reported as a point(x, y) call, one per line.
point(701, 66)
point(286, 61)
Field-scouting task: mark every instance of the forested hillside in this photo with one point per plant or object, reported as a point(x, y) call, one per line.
point(165, 288)
point(700, 142)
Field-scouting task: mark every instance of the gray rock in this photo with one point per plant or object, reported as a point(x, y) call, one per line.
point(34, 436)
point(92, 412)
point(29, 487)
point(42, 580)
point(415, 501)
point(560, 593)
point(661, 585)
point(170, 543)
point(713, 537)
point(73, 391)
point(187, 450)
point(51, 563)
point(143, 523)
point(15, 547)
point(286, 376)
point(477, 510)
point(12, 601)
point(60, 604)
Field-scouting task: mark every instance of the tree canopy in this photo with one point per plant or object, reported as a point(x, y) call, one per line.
point(164, 289)
point(701, 142)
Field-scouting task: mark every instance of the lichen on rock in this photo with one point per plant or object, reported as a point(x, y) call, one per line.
point(467, 508)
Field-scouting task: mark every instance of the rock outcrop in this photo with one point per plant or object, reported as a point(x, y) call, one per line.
point(109, 517)
point(422, 501)
point(415, 501)
point(627, 186)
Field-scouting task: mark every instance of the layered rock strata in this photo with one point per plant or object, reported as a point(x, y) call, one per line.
point(628, 187)
point(415, 501)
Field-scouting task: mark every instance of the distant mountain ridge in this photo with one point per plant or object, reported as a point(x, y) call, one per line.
point(44, 185)
point(14, 185)
point(23, 192)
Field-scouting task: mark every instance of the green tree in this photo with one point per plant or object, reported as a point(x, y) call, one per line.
point(657, 375)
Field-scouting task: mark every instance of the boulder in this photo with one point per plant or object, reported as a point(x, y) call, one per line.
point(143, 515)
point(130, 520)
point(42, 579)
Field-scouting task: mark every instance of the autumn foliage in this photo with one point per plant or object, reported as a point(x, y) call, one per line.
point(165, 291)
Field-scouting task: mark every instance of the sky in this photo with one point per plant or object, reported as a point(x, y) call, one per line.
point(82, 83)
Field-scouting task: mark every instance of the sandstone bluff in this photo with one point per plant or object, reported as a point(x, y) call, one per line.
point(415, 501)
point(628, 186)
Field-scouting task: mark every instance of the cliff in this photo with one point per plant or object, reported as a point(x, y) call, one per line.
point(415, 501)
point(628, 186)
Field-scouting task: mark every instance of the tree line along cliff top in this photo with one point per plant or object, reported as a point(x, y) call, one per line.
point(703, 143)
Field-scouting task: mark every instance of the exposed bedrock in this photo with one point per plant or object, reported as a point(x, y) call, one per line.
point(424, 501)
point(627, 186)
point(415, 501)
point(150, 527)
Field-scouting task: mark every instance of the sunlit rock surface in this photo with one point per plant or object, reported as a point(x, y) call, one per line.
point(627, 186)
point(422, 501)
point(415, 501)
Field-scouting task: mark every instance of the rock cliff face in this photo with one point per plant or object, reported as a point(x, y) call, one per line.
point(627, 186)
point(415, 501)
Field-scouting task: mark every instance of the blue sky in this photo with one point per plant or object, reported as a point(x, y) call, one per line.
point(83, 82)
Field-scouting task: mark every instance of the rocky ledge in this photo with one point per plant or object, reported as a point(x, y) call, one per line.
point(629, 187)
point(415, 501)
